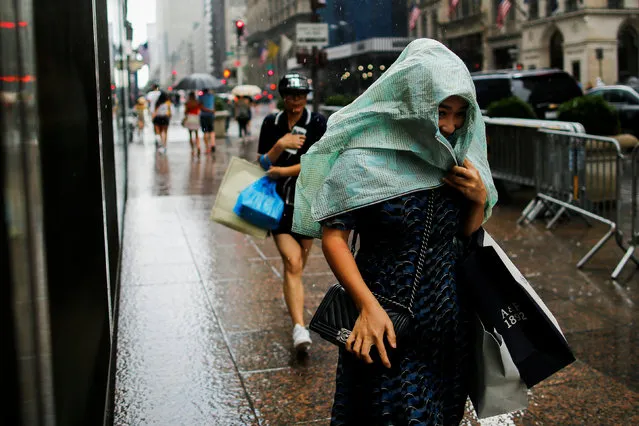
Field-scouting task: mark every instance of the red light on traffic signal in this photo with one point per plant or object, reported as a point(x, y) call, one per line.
point(170, 88)
point(174, 72)
point(270, 72)
point(223, 81)
point(273, 86)
point(270, 96)
point(239, 27)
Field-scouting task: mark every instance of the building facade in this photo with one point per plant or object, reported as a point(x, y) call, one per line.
point(267, 21)
point(63, 138)
point(217, 31)
point(179, 35)
point(271, 44)
point(588, 39)
point(235, 58)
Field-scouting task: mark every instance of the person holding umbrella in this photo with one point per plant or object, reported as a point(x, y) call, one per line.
point(207, 119)
point(243, 114)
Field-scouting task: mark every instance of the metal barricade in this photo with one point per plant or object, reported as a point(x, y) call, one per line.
point(583, 174)
point(513, 147)
point(630, 187)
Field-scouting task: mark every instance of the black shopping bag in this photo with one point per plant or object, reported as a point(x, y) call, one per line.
point(504, 299)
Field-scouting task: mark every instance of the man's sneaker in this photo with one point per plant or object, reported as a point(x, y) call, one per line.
point(301, 338)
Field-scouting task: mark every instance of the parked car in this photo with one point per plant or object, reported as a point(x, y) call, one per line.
point(543, 89)
point(625, 100)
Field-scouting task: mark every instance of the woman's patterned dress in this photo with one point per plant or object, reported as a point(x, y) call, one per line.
point(427, 383)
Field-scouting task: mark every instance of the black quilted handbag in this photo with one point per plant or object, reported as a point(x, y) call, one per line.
point(336, 315)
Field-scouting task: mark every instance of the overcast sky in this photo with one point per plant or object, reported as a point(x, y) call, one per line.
point(140, 13)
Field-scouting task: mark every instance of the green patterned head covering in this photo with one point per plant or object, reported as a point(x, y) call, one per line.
point(387, 142)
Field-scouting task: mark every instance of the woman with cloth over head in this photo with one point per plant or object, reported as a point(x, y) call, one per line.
point(284, 137)
point(405, 167)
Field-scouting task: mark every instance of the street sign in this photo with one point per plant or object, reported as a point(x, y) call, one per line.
point(311, 35)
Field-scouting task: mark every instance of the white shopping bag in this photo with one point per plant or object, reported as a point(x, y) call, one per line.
point(239, 174)
point(496, 386)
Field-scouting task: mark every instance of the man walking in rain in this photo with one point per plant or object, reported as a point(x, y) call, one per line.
point(207, 118)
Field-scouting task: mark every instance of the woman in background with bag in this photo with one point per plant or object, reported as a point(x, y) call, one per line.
point(161, 119)
point(284, 137)
point(192, 123)
point(405, 167)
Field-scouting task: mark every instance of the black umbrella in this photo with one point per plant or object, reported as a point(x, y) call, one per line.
point(199, 81)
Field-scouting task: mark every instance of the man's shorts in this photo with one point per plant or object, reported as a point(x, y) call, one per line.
point(206, 122)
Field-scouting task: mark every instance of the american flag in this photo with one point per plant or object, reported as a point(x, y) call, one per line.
point(414, 15)
point(263, 55)
point(502, 11)
point(143, 50)
point(453, 5)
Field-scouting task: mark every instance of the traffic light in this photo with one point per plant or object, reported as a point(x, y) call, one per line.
point(226, 73)
point(270, 72)
point(239, 27)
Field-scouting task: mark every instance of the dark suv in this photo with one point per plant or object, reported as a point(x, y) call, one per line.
point(544, 89)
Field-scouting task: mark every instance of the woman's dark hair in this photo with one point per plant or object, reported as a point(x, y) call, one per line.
point(161, 99)
point(192, 95)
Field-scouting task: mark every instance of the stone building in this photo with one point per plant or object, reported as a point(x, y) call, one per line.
point(587, 38)
point(266, 22)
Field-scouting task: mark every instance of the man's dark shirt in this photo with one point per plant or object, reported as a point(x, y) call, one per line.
point(274, 127)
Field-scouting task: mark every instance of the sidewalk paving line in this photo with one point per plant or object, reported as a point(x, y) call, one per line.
point(266, 370)
point(263, 256)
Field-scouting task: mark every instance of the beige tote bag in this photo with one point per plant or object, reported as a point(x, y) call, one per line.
point(239, 174)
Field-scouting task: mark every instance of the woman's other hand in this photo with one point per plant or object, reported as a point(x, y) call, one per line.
point(372, 325)
point(291, 141)
point(467, 180)
point(274, 172)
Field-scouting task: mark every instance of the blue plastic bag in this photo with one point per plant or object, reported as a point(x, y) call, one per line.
point(260, 204)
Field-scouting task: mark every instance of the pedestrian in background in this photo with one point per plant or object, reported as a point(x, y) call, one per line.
point(152, 98)
point(230, 106)
point(243, 115)
point(161, 119)
point(207, 119)
point(405, 167)
point(251, 104)
point(192, 123)
point(284, 138)
point(140, 112)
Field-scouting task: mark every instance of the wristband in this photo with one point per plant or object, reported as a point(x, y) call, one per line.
point(265, 162)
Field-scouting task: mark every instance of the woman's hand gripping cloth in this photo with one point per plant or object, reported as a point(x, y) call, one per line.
point(387, 142)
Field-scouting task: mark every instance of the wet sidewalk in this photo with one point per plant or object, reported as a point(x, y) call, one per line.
point(204, 337)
